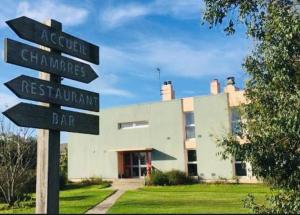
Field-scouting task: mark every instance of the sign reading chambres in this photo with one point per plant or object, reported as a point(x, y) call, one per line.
point(50, 91)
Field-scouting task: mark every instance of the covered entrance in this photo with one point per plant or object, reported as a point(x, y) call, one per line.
point(134, 164)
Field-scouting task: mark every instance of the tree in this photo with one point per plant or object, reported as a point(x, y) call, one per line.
point(17, 162)
point(272, 125)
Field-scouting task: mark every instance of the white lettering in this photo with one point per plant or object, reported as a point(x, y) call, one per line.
point(34, 56)
point(54, 63)
point(63, 120)
point(58, 94)
point(52, 35)
point(42, 91)
point(33, 88)
point(71, 121)
point(60, 38)
point(44, 61)
point(54, 118)
point(25, 86)
point(76, 69)
point(23, 54)
point(44, 36)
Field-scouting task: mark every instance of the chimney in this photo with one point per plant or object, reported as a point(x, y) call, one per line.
point(230, 87)
point(230, 81)
point(214, 87)
point(167, 91)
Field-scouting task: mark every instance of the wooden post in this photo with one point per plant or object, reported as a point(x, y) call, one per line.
point(48, 155)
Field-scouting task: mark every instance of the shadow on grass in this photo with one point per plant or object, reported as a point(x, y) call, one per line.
point(74, 198)
point(80, 185)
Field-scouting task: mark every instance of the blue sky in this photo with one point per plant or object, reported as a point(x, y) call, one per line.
point(136, 37)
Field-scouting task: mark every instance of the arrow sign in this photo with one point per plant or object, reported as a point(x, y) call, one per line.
point(29, 115)
point(44, 91)
point(44, 35)
point(27, 56)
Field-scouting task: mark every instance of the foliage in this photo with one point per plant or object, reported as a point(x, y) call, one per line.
point(93, 181)
point(176, 177)
point(272, 125)
point(284, 202)
point(173, 177)
point(63, 169)
point(17, 163)
point(158, 178)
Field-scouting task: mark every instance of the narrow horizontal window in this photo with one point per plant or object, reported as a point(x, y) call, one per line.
point(131, 125)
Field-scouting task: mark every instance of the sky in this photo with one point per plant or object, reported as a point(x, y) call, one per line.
point(135, 38)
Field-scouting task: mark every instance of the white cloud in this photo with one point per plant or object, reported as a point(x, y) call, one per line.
point(174, 58)
point(42, 10)
point(113, 17)
point(116, 16)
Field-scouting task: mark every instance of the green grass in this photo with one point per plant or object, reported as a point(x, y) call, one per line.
point(75, 199)
point(200, 198)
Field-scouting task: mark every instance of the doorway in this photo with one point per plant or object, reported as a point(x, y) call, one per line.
point(135, 164)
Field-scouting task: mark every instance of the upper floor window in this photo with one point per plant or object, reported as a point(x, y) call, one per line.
point(235, 121)
point(189, 125)
point(130, 125)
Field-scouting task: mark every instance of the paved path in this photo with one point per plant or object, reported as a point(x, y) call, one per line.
point(120, 188)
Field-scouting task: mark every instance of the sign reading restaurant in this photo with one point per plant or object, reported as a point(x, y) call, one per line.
point(50, 91)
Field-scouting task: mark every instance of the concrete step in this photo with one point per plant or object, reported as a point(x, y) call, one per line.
point(127, 181)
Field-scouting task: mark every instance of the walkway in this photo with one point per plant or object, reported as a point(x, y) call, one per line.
point(120, 186)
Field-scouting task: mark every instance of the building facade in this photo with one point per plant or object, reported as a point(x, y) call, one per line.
point(171, 134)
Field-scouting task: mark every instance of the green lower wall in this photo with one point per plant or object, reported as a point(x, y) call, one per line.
point(96, 156)
point(212, 122)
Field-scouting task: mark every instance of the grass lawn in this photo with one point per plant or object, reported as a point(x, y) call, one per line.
point(200, 198)
point(75, 199)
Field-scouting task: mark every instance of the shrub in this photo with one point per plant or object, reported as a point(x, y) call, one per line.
point(177, 177)
point(173, 177)
point(63, 180)
point(92, 181)
point(158, 178)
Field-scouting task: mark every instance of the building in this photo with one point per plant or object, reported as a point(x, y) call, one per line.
point(170, 134)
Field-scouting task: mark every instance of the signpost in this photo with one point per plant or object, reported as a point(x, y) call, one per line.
point(27, 56)
point(35, 89)
point(29, 115)
point(44, 35)
point(50, 91)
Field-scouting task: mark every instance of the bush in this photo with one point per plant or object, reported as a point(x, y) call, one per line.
point(177, 177)
point(158, 178)
point(173, 177)
point(63, 180)
point(92, 181)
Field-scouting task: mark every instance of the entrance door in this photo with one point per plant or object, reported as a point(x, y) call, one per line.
point(135, 164)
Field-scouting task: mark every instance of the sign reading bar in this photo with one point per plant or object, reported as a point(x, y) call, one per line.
point(44, 35)
point(44, 91)
point(29, 115)
point(25, 55)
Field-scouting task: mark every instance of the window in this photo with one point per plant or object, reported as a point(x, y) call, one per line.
point(235, 121)
point(240, 168)
point(130, 125)
point(192, 163)
point(189, 125)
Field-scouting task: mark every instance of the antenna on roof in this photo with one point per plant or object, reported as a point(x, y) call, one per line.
point(159, 72)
